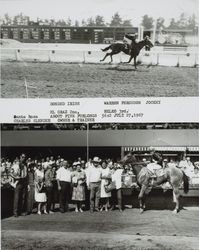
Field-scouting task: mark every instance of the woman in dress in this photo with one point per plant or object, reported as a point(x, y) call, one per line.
point(40, 195)
point(78, 181)
point(106, 178)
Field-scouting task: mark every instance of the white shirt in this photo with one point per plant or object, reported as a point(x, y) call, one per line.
point(63, 174)
point(117, 178)
point(94, 174)
point(45, 164)
point(187, 167)
point(153, 167)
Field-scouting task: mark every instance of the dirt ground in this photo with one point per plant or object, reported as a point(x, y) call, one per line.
point(152, 230)
point(61, 80)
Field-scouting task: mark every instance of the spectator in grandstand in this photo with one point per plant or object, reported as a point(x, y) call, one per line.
point(8, 164)
point(31, 187)
point(194, 176)
point(64, 185)
point(39, 172)
point(52, 161)
point(78, 183)
point(49, 177)
point(164, 163)
point(42, 163)
point(19, 175)
point(172, 163)
point(40, 195)
point(89, 163)
point(113, 197)
point(58, 160)
point(106, 179)
point(117, 179)
point(83, 165)
point(187, 166)
point(46, 163)
point(94, 183)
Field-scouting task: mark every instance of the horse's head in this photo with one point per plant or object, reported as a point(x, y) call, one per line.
point(148, 42)
point(128, 158)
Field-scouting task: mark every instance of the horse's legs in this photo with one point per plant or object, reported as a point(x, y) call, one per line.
point(141, 198)
point(131, 57)
point(176, 199)
point(107, 54)
point(135, 62)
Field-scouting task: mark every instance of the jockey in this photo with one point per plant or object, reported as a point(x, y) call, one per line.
point(128, 41)
point(154, 167)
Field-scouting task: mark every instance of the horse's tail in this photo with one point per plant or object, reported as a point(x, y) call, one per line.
point(185, 183)
point(107, 48)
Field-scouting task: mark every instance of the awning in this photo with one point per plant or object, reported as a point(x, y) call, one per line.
point(163, 148)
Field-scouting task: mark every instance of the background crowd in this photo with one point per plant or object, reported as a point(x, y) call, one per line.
point(96, 184)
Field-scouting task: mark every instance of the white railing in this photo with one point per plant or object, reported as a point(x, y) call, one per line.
point(153, 57)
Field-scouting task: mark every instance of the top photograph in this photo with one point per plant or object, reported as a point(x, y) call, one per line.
point(99, 48)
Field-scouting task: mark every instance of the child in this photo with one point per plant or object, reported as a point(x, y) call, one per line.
point(40, 195)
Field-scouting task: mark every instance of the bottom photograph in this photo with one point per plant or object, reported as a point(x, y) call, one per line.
point(100, 186)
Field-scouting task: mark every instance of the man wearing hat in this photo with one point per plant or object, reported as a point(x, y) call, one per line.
point(64, 185)
point(94, 182)
point(154, 166)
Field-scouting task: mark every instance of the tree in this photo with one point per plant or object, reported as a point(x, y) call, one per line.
point(183, 21)
point(160, 23)
point(76, 23)
point(173, 24)
point(99, 21)
point(68, 22)
point(52, 22)
point(7, 18)
point(84, 22)
point(127, 23)
point(61, 23)
point(116, 20)
point(90, 22)
point(192, 23)
point(147, 22)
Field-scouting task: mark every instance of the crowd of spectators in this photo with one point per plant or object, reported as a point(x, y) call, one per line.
point(88, 185)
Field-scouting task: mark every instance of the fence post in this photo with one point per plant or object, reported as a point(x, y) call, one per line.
point(17, 54)
point(178, 62)
point(195, 64)
point(50, 55)
point(84, 56)
point(158, 59)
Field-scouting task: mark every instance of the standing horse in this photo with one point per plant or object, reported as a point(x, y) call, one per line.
point(133, 50)
point(172, 174)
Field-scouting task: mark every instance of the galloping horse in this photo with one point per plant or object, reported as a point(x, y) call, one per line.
point(171, 174)
point(132, 50)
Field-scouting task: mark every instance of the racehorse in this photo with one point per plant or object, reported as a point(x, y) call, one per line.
point(171, 174)
point(132, 50)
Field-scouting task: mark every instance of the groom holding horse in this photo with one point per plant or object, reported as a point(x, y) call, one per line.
point(175, 176)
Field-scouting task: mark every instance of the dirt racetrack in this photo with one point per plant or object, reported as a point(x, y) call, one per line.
point(61, 80)
point(153, 230)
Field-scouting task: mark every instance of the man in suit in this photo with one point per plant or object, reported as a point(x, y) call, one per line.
point(20, 177)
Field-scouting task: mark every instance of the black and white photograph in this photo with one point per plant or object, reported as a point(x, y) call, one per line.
point(101, 48)
point(100, 186)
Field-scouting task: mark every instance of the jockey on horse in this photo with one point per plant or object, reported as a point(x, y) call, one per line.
point(129, 40)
